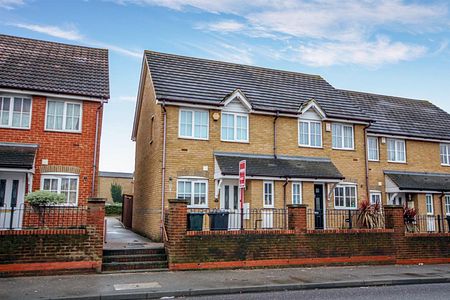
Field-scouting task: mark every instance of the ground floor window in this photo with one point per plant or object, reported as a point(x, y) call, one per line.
point(375, 198)
point(268, 194)
point(429, 204)
point(194, 191)
point(62, 184)
point(345, 196)
point(296, 193)
point(447, 204)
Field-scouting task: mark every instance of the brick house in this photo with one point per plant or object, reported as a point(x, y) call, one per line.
point(106, 179)
point(304, 141)
point(51, 106)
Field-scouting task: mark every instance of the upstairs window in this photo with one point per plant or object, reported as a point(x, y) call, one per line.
point(342, 136)
point(445, 154)
point(234, 127)
point(345, 197)
point(15, 112)
point(63, 116)
point(396, 150)
point(310, 134)
point(62, 184)
point(194, 191)
point(372, 149)
point(194, 124)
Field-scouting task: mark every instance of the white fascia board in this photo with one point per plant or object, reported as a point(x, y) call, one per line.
point(279, 178)
point(53, 95)
point(137, 110)
point(402, 137)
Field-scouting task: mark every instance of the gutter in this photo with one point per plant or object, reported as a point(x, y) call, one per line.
point(163, 168)
point(96, 143)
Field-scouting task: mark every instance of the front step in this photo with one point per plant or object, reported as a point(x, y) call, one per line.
point(134, 260)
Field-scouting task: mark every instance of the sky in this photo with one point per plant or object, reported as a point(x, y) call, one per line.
point(394, 47)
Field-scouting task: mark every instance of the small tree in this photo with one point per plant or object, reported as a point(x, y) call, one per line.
point(116, 192)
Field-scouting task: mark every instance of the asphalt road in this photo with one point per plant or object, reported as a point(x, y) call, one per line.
point(407, 292)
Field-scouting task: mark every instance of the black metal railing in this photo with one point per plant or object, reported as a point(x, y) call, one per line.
point(252, 219)
point(342, 219)
point(43, 217)
point(428, 224)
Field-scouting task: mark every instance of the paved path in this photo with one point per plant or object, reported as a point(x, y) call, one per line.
point(118, 237)
point(195, 283)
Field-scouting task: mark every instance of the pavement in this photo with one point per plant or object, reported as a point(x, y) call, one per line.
point(118, 237)
point(155, 285)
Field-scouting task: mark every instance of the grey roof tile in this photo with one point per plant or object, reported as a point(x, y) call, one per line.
point(282, 166)
point(420, 181)
point(17, 156)
point(53, 67)
point(181, 78)
point(403, 116)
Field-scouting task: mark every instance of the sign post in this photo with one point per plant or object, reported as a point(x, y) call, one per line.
point(242, 175)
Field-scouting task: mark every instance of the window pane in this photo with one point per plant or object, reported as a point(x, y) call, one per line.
point(348, 137)
point(201, 124)
point(186, 123)
point(304, 131)
point(228, 127)
point(373, 148)
point(241, 128)
point(16, 119)
point(336, 135)
point(391, 149)
point(296, 193)
point(26, 105)
point(316, 134)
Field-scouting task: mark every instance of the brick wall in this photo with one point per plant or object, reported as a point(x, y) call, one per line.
point(104, 186)
point(60, 148)
point(48, 251)
point(298, 246)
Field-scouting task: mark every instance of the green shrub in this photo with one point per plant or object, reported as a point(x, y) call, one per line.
point(116, 192)
point(45, 198)
point(113, 209)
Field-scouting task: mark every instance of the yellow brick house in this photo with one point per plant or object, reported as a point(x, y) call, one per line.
point(304, 141)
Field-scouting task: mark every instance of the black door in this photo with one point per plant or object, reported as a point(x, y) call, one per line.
point(318, 206)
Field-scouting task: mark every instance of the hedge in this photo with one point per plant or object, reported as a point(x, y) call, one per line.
point(113, 209)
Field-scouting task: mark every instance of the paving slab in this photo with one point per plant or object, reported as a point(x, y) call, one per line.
point(210, 282)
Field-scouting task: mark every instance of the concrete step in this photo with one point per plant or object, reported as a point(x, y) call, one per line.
point(116, 266)
point(108, 252)
point(135, 271)
point(134, 258)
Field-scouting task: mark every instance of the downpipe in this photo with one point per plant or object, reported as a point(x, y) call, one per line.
point(94, 165)
point(163, 169)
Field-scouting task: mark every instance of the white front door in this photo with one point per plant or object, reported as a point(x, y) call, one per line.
point(12, 193)
point(229, 201)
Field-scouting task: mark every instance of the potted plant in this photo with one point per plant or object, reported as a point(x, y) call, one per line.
point(370, 215)
point(409, 217)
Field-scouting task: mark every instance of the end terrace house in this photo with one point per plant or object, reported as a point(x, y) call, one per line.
point(304, 141)
point(51, 106)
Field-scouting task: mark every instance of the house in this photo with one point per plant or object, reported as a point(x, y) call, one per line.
point(304, 142)
point(106, 179)
point(51, 106)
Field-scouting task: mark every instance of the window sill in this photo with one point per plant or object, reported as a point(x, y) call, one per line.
point(372, 160)
point(445, 165)
point(19, 128)
point(63, 131)
point(240, 142)
point(343, 149)
point(196, 206)
point(345, 208)
point(192, 138)
point(397, 162)
point(312, 147)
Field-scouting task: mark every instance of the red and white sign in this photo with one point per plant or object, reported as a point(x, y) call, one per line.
point(242, 173)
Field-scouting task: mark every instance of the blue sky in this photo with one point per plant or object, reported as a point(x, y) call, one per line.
point(391, 47)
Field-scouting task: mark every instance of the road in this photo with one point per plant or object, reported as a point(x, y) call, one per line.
point(407, 292)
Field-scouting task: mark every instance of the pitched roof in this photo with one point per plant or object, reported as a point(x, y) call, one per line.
point(17, 156)
point(420, 181)
point(403, 116)
point(53, 67)
point(115, 174)
point(202, 81)
point(282, 166)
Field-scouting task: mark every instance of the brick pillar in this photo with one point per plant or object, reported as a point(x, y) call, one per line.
point(95, 226)
point(176, 228)
point(394, 218)
point(297, 217)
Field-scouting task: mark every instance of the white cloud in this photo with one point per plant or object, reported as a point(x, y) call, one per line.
point(11, 4)
point(71, 33)
point(223, 51)
point(373, 54)
point(223, 26)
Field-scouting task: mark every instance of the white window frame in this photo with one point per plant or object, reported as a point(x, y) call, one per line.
point(446, 154)
point(235, 116)
point(345, 185)
point(431, 204)
point(375, 193)
point(300, 194)
point(396, 150)
point(192, 182)
point(447, 205)
point(64, 115)
point(59, 177)
point(193, 111)
point(11, 108)
point(272, 194)
point(377, 148)
point(343, 126)
point(309, 133)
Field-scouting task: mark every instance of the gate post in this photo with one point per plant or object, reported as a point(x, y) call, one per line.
point(297, 217)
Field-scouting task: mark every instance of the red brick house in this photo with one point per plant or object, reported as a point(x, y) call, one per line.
point(51, 106)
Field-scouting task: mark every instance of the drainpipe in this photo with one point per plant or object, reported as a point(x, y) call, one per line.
point(275, 134)
point(94, 166)
point(441, 197)
point(163, 169)
point(366, 159)
point(284, 200)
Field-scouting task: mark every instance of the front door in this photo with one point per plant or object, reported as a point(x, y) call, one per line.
point(230, 202)
point(12, 193)
point(318, 206)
